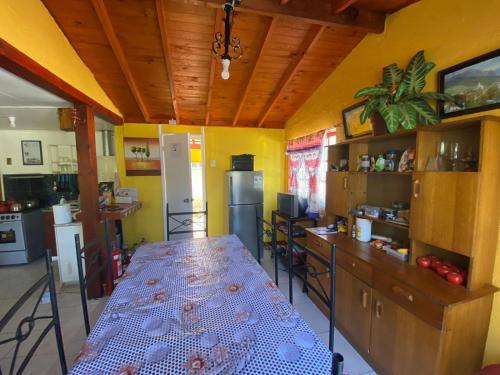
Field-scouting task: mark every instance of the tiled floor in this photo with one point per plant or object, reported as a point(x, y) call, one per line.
point(354, 364)
point(14, 281)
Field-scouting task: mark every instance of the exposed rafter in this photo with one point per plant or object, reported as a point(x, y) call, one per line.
point(162, 22)
point(307, 44)
point(340, 5)
point(312, 11)
point(218, 16)
point(265, 40)
point(107, 26)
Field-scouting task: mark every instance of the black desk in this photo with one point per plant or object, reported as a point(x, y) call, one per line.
point(290, 221)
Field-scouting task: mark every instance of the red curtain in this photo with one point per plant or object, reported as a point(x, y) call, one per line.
point(304, 160)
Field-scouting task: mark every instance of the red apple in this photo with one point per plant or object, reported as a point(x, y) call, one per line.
point(424, 261)
point(436, 263)
point(452, 267)
point(455, 278)
point(443, 270)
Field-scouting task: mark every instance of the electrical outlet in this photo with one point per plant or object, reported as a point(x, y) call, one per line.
point(213, 163)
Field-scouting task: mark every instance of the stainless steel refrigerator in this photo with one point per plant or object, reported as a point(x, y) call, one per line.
point(245, 201)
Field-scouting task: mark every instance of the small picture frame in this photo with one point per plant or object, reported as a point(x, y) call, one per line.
point(32, 152)
point(474, 84)
point(352, 125)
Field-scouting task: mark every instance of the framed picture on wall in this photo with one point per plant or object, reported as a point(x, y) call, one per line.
point(352, 125)
point(142, 156)
point(32, 152)
point(474, 84)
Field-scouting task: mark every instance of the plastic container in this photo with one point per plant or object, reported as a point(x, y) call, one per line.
point(363, 230)
point(62, 213)
point(391, 160)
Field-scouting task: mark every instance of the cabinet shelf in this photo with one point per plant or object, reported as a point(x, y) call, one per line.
point(382, 173)
point(385, 222)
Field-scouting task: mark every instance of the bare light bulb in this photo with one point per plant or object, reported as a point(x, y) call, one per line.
point(225, 68)
point(12, 121)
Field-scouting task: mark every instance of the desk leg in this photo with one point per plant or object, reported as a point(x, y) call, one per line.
point(274, 245)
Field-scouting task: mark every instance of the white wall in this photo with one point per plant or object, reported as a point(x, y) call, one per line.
point(10, 147)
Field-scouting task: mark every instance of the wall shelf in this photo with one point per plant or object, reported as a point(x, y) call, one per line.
point(385, 222)
point(383, 173)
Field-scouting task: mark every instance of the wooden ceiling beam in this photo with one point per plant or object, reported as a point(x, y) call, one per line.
point(162, 22)
point(265, 41)
point(307, 45)
point(102, 14)
point(339, 6)
point(211, 77)
point(311, 11)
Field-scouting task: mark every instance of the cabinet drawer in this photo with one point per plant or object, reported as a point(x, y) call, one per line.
point(319, 245)
point(410, 299)
point(357, 267)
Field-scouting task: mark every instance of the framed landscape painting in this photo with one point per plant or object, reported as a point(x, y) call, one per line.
point(142, 156)
point(474, 84)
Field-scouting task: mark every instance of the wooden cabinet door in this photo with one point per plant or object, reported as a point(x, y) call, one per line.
point(401, 343)
point(361, 312)
point(337, 193)
point(443, 207)
point(343, 297)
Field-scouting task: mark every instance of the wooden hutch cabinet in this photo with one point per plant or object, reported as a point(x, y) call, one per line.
point(402, 318)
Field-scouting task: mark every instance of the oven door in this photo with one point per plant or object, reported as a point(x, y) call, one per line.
point(11, 236)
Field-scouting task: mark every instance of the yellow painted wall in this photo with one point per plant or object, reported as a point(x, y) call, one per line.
point(28, 26)
point(450, 31)
point(220, 144)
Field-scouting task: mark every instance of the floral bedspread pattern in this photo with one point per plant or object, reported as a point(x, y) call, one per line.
point(200, 307)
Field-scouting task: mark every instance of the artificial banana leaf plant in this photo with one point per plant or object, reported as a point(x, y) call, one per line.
point(399, 98)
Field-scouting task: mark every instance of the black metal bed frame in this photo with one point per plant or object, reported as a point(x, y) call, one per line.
point(23, 332)
point(327, 299)
point(261, 223)
point(92, 258)
point(187, 222)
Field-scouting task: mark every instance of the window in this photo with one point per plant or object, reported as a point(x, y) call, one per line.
point(307, 166)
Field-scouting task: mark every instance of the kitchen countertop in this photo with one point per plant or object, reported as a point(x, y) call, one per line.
point(118, 211)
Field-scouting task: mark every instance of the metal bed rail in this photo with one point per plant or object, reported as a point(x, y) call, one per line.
point(337, 359)
point(26, 325)
point(91, 254)
point(189, 222)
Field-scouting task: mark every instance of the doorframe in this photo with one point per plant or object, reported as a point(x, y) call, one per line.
point(163, 173)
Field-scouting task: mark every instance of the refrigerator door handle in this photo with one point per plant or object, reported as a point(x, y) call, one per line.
point(230, 189)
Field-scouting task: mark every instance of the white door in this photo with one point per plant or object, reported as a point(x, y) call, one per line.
point(177, 181)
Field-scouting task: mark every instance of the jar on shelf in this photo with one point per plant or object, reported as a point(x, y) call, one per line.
point(391, 160)
point(365, 163)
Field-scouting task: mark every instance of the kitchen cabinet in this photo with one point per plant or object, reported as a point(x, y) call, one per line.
point(400, 343)
point(337, 203)
point(443, 208)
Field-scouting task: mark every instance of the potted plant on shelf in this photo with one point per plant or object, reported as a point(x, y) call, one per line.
point(399, 98)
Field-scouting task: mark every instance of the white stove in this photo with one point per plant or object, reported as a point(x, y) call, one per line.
point(22, 238)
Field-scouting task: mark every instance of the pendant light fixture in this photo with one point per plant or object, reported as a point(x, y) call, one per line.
point(224, 46)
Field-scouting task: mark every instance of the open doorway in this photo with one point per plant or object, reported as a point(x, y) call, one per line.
point(183, 183)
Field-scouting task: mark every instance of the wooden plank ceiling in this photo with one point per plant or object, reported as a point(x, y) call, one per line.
point(153, 57)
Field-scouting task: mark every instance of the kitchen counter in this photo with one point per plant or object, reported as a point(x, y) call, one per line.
point(119, 211)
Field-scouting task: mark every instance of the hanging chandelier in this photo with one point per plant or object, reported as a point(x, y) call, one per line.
point(224, 46)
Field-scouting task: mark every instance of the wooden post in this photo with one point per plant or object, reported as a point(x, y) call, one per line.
point(88, 185)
